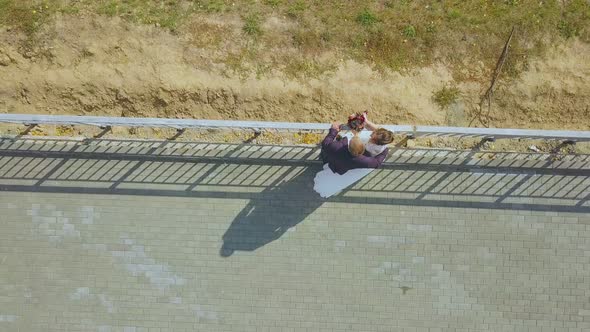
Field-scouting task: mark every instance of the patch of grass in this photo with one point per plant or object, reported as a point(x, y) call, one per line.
point(23, 16)
point(262, 69)
point(448, 31)
point(306, 68)
point(69, 10)
point(297, 9)
point(409, 31)
point(566, 29)
point(575, 20)
point(203, 34)
point(165, 14)
point(454, 14)
point(110, 8)
point(519, 61)
point(252, 25)
point(367, 18)
point(241, 62)
point(310, 40)
point(387, 50)
point(389, 3)
point(26, 17)
point(215, 6)
point(169, 21)
point(446, 96)
point(273, 3)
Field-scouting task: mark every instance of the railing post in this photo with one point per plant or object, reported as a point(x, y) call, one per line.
point(569, 142)
point(489, 139)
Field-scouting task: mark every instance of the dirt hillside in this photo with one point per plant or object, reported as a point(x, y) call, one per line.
point(95, 65)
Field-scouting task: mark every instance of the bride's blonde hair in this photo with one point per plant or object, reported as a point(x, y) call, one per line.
point(382, 136)
point(356, 147)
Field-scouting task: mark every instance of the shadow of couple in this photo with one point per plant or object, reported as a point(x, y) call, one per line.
point(273, 212)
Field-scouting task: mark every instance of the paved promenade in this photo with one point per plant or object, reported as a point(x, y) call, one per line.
point(163, 236)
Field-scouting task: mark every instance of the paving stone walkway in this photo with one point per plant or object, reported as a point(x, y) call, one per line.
point(161, 236)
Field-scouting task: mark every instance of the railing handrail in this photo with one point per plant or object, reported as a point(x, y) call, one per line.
point(103, 121)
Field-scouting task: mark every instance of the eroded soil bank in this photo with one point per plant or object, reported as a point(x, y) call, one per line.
point(105, 66)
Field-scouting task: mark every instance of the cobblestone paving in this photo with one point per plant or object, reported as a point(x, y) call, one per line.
point(156, 239)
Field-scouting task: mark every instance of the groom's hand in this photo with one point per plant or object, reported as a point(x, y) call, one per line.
point(336, 125)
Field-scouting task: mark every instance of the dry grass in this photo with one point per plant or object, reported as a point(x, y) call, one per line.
point(386, 34)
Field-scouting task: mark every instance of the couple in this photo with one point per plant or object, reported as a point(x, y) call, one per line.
point(353, 156)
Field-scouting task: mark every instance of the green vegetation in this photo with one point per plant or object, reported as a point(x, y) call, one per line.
point(252, 25)
point(167, 14)
point(215, 6)
point(409, 31)
point(25, 16)
point(367, 18)
point(394, 34)
point(297, 9)
point(446, 96)
point(302, 68)
point(272, 3)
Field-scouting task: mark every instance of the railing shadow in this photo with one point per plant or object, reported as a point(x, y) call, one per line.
point(278, 181)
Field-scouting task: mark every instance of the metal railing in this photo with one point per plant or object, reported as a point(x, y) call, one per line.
point(183, 124)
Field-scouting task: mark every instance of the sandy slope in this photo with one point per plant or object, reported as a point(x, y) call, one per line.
point(99, 66)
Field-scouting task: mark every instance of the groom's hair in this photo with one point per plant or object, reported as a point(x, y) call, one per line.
point(356, 147)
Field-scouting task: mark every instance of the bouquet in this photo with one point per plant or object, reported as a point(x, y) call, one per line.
point(356, 121)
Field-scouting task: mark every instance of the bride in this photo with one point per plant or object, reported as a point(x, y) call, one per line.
point(328, 183)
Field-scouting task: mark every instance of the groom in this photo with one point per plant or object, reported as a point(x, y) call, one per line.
point(342, 156)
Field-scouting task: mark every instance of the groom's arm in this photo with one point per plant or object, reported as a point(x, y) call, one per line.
point(372, 162)
point(329, 138)
point(380, 158)
point(334, 129)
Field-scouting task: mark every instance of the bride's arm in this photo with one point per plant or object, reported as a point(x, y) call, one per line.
point(368, 124)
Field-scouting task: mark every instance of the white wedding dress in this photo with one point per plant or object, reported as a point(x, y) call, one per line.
point(328, 183)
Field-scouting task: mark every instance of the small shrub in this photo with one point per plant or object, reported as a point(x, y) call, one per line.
point(409, 31)
point(566, 29)
point(446, 96)
point(454, 14)
point(169, 21)
point(252, 25)
point(431, 28)
point(64, 131)
point(367, 18)
point(308, 138)
point(272, 3)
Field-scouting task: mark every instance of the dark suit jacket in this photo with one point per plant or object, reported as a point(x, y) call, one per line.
point(339, 159)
